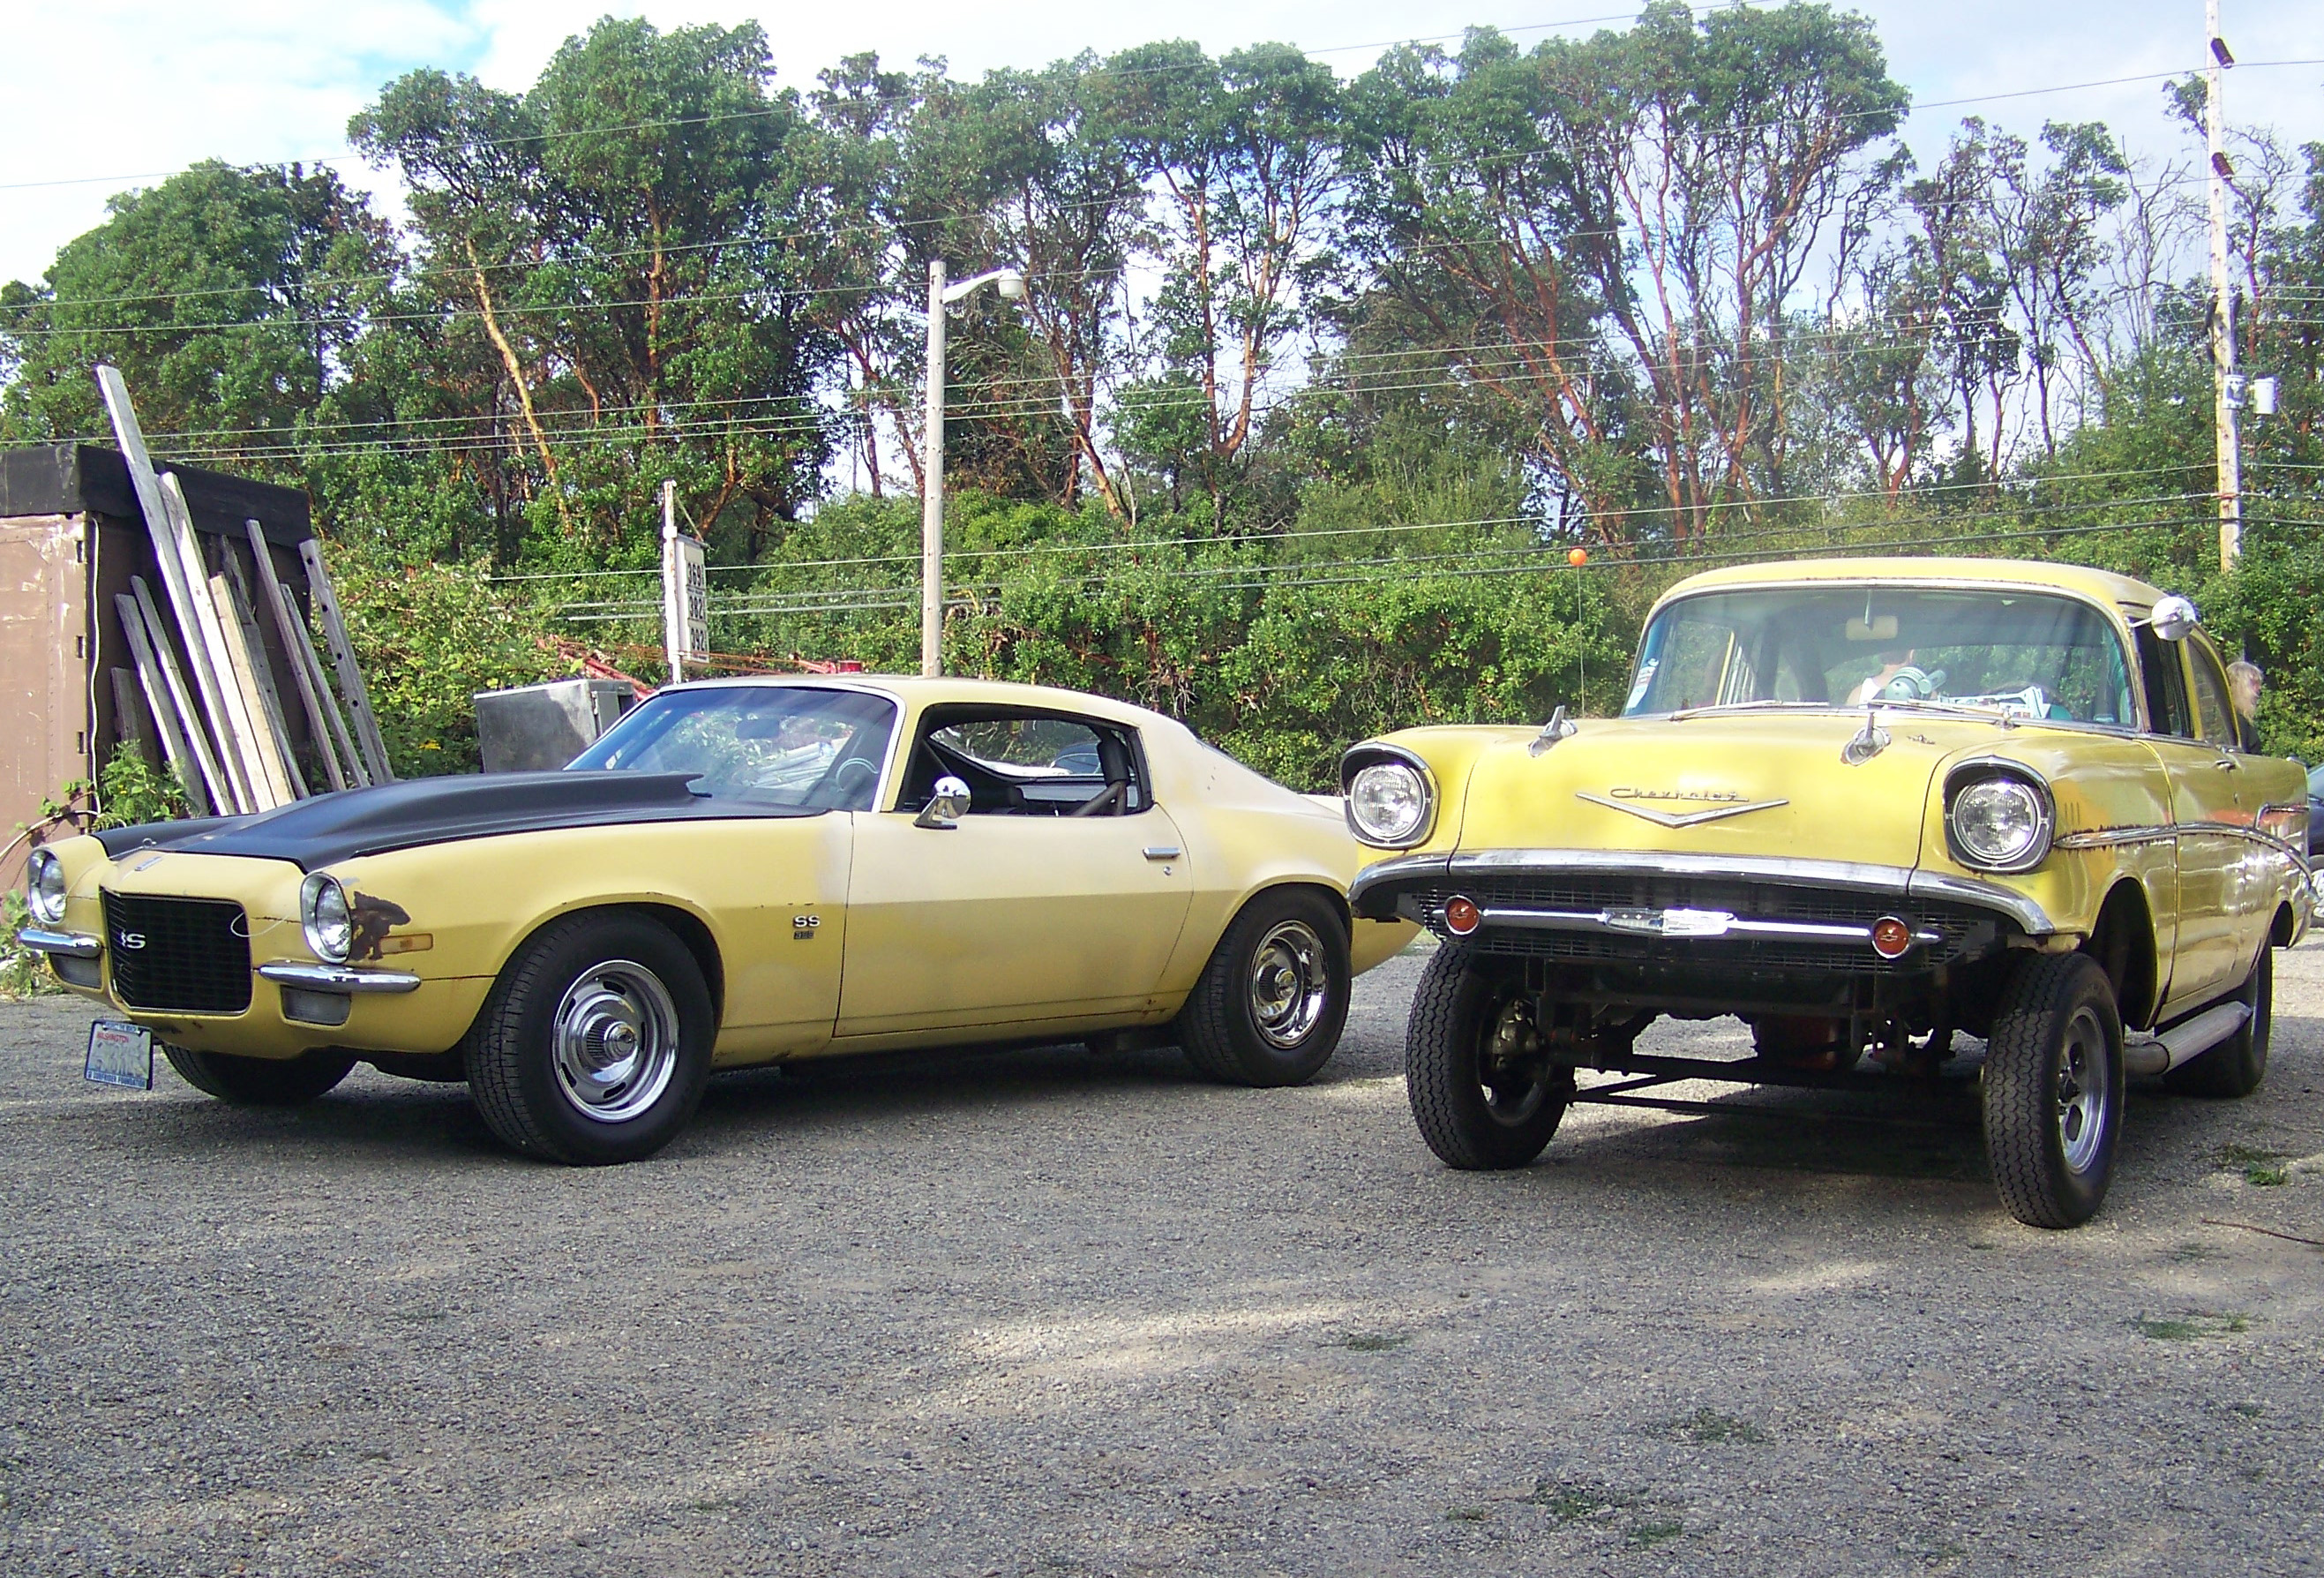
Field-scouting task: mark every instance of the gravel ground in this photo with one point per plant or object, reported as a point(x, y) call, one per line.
point(1039, 1312)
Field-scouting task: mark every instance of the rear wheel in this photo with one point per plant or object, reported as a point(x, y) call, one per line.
point(1272, 1001)
point(261, 1082)
point(2235, 1067)
point(2054, 1090)
point(1482, 1089)
point(595, 1044)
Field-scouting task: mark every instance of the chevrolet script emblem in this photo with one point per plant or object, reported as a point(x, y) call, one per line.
point(1721, 805)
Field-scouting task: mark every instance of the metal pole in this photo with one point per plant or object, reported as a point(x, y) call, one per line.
point(2223, 328)
point(673, 591)
point(932, 485)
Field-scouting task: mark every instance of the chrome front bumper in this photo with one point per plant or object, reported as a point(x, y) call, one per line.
point(1377, 889)
point(72, 945)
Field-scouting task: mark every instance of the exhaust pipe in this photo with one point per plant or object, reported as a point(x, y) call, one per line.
point(2189, 1039)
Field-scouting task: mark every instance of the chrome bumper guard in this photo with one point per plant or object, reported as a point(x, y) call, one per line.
point(338, 978)
point(73, 945)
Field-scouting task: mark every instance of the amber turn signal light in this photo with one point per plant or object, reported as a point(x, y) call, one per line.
point(1891, 938)
point(1462, 915)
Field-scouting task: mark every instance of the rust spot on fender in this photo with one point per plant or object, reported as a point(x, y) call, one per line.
point(373, 919)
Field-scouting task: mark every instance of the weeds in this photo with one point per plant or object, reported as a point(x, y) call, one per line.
point(1644, 1537)
point(1570, 1500)
point(1708, 1427)
point(2261, 1168)
point(1369, 1341)
point(2189, 1327)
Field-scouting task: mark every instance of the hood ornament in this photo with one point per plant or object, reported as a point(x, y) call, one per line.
point(1735, 806)
point(1869, 741)
point(1559, 727)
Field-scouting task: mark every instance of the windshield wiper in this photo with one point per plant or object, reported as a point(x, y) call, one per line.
point(2000, 716)
point(1725, 707)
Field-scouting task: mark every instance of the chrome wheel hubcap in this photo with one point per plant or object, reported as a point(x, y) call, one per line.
point(2083, 1091)
point(1290, 984)
point(614, 1043)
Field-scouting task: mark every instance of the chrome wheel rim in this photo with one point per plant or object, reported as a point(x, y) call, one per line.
point(1290, 984)
point(2083, 1091)
point(613, 1043)
point(1510, 1070)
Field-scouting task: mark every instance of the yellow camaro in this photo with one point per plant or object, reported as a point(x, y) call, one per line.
point(1861, 804)
point(739, 872)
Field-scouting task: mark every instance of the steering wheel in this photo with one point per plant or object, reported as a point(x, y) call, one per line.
point(1911, 684)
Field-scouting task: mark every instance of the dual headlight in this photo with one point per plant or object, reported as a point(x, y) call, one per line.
point(1391, 802)
point(324, 917)
point(1999, 819)
point(44, 887)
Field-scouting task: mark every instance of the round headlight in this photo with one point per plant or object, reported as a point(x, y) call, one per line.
point(1388, 803)
point(2002, 823)
point(44, 887)
point(323, 916)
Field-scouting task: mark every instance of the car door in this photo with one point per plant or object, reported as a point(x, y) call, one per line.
point(1021, 912)
point(2203, 775)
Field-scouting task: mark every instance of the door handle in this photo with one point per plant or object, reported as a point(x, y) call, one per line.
point(1163, 852)
point(2226, 764)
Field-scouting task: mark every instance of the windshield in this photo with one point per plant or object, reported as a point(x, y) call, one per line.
point(2027, 653)
point(758, 744)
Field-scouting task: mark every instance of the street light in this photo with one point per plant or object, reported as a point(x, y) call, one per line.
point(1010, 284)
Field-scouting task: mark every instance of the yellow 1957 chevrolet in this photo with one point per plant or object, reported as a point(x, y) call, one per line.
point(739, 872)
point(1861, 804)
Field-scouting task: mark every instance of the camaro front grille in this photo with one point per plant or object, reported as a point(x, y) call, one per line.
point(1945, 932)
point(181, 955)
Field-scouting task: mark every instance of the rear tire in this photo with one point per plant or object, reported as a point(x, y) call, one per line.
point(2235, 1067)
point(1484, 1095)
point(595, 1044)
point(1272, 1001)
point(261, 1082)
point(2054, 1090)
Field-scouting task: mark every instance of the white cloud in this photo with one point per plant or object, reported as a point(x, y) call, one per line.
point(144, 87)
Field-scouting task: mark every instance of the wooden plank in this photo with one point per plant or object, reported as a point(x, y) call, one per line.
point(130, 727)
point(286, 626)
point(343, 656)
point(233, 593)
point(164, 694)
point(233, 792)
point(246, 733)
point(320, 684)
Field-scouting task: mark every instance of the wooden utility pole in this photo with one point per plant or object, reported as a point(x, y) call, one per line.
point(2224, 399)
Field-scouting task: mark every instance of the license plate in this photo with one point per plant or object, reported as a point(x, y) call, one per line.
point(120, 1055)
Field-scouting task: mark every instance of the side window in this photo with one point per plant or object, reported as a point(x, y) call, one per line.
point(2166, 685)
point(1023, 764)
point(2213, 711)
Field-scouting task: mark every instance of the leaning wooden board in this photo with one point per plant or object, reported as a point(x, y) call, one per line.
point(343, 657)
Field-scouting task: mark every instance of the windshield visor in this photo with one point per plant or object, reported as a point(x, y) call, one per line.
point(758, 744)
point(2030, 654)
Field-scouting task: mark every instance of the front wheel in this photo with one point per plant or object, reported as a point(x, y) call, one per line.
point(1272, 1001)
point(595, 1044)
point(2234, 1068)
point(2054, 1090)
point(261, 1082)
point(1482, 1090)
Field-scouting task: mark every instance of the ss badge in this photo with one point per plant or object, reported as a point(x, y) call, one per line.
point(803, 928)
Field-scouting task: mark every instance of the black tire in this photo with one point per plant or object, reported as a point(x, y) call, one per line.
point(1478, 1107)
point(2235, 1067)
point(2054, 1090)
point(261, 1082)
point(1271, 1002)
point(605, 1014)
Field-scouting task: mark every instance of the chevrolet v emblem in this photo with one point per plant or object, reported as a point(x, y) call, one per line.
point(1684, 819)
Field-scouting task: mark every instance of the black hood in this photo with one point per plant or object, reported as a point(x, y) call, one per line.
point(331, 827)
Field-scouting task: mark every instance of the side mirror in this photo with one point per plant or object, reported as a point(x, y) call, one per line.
point(946, 807)
point(2174, 618)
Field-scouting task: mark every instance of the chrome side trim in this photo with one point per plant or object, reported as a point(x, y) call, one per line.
point(2114, 837)
point(338, 978)
point(2108, 837)
point(73, 945)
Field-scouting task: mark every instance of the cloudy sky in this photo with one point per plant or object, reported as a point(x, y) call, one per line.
point(141, 87)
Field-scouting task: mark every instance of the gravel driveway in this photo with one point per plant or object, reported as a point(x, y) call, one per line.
point(1043, 1312)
